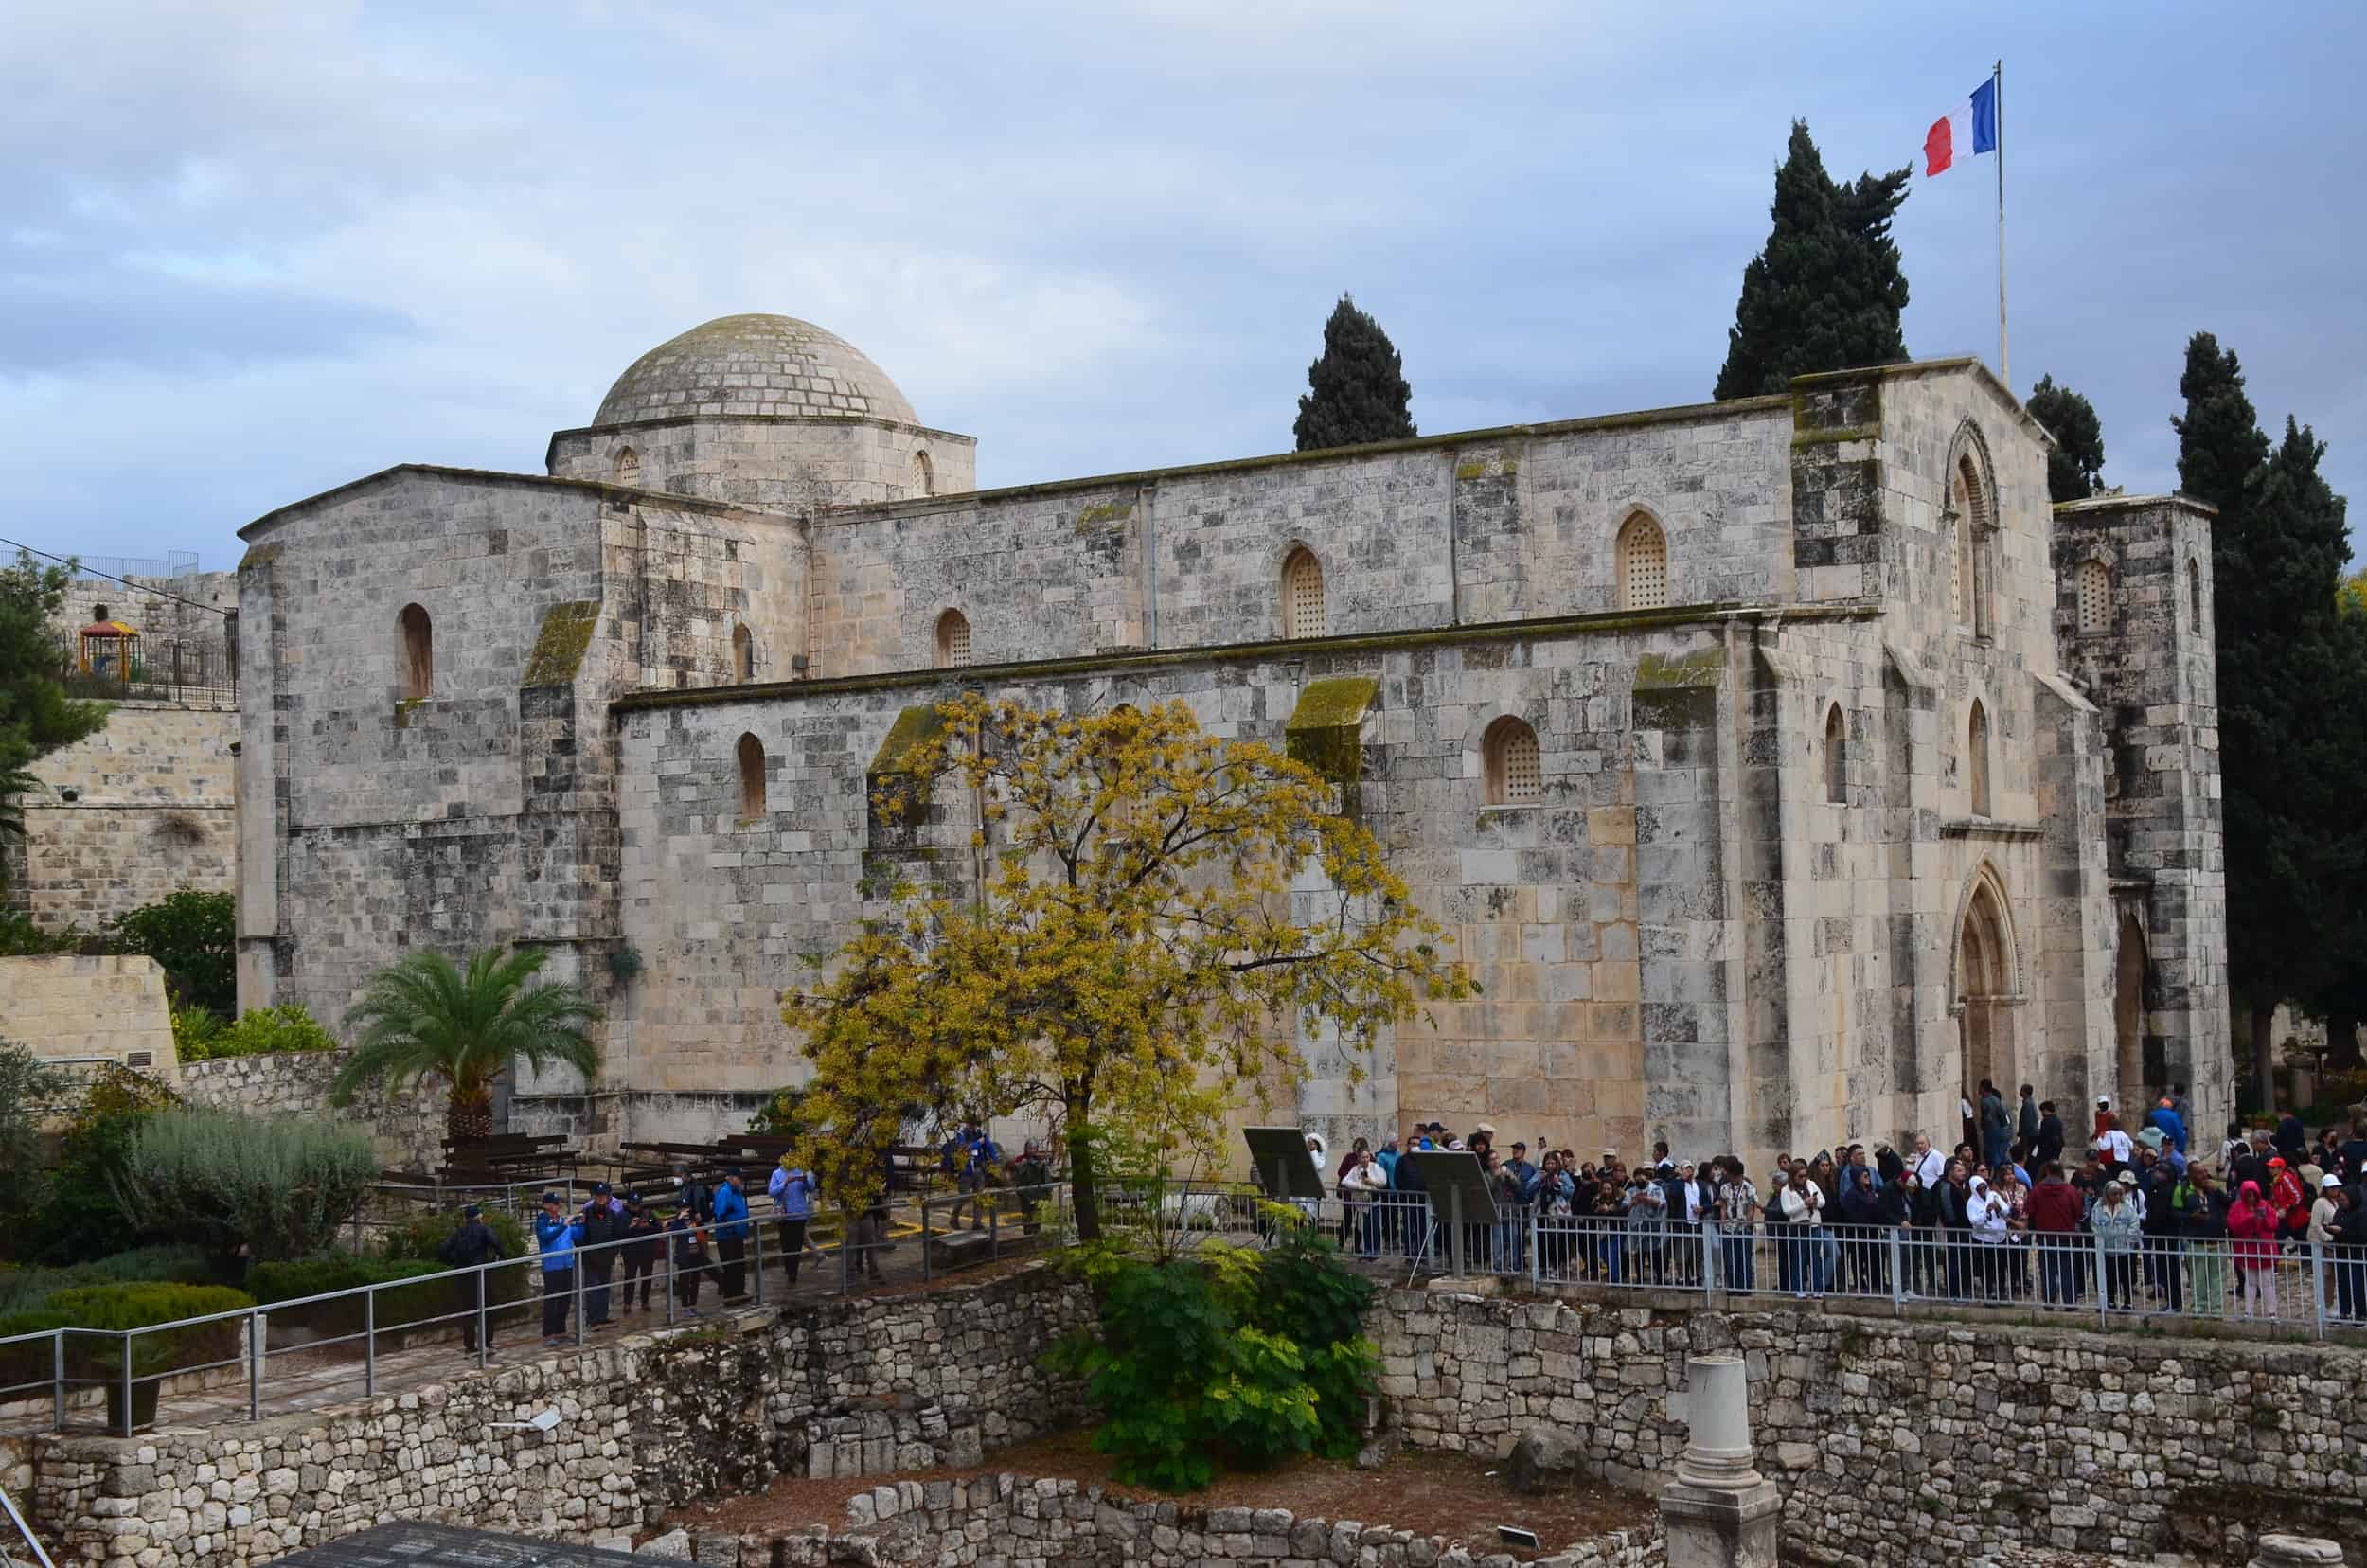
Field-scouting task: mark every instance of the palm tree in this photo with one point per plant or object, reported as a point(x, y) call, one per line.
point(425, 1017)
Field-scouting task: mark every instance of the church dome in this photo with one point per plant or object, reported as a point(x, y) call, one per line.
point(754, 364)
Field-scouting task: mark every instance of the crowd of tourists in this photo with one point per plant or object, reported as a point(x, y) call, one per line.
point(2131, 1218)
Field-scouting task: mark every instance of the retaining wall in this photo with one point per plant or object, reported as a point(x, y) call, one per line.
point(408, 1128)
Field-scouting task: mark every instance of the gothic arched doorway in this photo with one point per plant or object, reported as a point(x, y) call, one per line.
point(2128, 1011)
point(1986, 996)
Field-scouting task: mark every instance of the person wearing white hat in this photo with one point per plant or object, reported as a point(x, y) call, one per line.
point(2320, 1236)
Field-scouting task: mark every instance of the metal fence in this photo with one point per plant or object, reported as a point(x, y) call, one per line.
point(156, 668)
point(317, 1350)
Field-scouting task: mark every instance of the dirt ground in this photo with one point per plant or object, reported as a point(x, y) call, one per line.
point(1437, 1494)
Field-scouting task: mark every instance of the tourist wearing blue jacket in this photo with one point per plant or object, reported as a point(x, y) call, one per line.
point(792, 1188)
point(2173, 1127)
point(731, 1234)
point(555, 1238)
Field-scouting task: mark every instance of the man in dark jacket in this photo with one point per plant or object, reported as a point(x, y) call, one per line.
point(471, 1246)
point(640, 1253)
point(2291, 1138)
point(2048, 1147)
point(2027, 1125)
point(1997, 1128)
point(595, 1257)
point(2162, 1234)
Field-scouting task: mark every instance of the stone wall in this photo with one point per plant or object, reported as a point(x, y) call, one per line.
point(151, 812)
point(1015, 1521)
point(1896, 1441)
point(68, 1007)
point(648, 1424)
point(407, 1129)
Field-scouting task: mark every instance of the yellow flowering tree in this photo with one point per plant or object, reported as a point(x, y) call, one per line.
point(1146, 941)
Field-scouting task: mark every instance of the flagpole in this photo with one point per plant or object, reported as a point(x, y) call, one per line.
point(2004, 360)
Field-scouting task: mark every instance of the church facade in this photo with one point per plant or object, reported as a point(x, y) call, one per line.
point(1782, 767)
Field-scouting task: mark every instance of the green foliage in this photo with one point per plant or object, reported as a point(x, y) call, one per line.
point(779, 1117)
point(1826, 292)
point(281, 1186)
point(196, 1033)
point(1358, 391)
point(27, 1289)
point(192, 936)
point(266, 1031)
point(116, 1307)
point(2075, 469)
point(21, 938)
point(420, 1238)
point(270, 1283)
point(36, 715)
point(425, 1017)
point(31, 1090)
point(1223, 1355)
point(76, 1216)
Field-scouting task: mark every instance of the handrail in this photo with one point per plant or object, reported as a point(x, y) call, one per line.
point(24, 1533)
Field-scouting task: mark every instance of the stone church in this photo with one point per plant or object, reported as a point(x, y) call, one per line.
point(1781, 766)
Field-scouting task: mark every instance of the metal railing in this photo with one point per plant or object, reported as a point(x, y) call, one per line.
point(25, 1537)
point(231, 1366)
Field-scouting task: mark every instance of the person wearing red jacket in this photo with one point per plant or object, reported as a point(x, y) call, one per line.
point(2252, 1224)
point(2056, 1211)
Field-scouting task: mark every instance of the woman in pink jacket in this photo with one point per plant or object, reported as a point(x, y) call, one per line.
point(2252, 1227)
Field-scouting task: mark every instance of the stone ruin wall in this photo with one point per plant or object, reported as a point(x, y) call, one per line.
point(1892, 1440)
point(408, 1130)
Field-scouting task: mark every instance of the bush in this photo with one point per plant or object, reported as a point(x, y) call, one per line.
point(26, 1290)
point(1224, 1354)
point(280, 1186)
point(266, 1031)
point(194, 1031)
point(79, 1215)
point(134, 1305)
point(422, 1238)
point(192, 936)
point(308, 1277)
point(21, 938)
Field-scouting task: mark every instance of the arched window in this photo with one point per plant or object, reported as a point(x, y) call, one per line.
point(751, 778)
point(2096, 596)
point(1508, 754)
point(924, 475)
point(628, 466)
point(1642, 564)
point(743, 654)
point(418, 653)
point(1977, 757)
point(1301, 594)
point(2194, 591)
point(1969, 499)
point(1836, 756)
point(952, 640)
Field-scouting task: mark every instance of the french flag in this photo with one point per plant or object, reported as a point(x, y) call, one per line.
point(1966, 131)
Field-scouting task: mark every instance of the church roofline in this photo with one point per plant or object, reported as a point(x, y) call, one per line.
point(288, 514)
point(2141, 503)
point(1159, 658)
point(1906, 369)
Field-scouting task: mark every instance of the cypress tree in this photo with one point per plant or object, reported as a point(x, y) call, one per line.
point(36, 715)
point(1358, 391)
point(2277, 554)
point(2075, 469)
point(1826, 292)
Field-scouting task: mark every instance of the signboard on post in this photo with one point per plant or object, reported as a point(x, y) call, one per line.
point(1459, 1196)
point(1284, 1167)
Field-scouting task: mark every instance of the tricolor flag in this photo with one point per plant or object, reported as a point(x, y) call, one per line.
point(1966, 131)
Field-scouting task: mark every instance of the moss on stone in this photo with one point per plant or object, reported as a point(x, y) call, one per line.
point(1704, 666)
point(1108, 512)
point(1834, 437)
point(258, 555)
point(913, 726)
point(405, 709)
point(1327, 729)
point(558, 649)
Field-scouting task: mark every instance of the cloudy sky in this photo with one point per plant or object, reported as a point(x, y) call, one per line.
point(249, 250)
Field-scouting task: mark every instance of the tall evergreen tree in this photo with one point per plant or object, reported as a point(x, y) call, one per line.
point(2075, 469)
point(2277, 554)
point(1826, 292)
point(36, 715)
point(1358, 391)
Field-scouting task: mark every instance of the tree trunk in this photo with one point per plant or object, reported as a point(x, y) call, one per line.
point(2264, 1053)
point(1083, 1200)
point(469, 1113)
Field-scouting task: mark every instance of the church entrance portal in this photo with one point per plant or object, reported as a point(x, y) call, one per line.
point(1986, 1002)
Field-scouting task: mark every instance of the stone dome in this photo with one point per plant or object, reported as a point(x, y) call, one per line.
point(754, 364)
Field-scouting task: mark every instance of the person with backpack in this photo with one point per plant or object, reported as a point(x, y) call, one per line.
point(555, 1237)
point(792, 1188)
point(689, 1241)
point(596, 1228)
point(1997, 1125)
point(471, 1246)
point(731, 1236)
point(640, 1253)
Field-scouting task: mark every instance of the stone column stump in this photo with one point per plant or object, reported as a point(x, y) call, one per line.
point(1719, 1512)
point(2283, 1551)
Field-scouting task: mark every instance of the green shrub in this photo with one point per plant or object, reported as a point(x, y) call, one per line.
point(422, 1237)
point(78, 1215)
point(266, 1031)
point(281, 1186)
point(308, 1277)
point(26, 1290)
point(134, 1305)
point(21, 938)
point(192, 936)
point(195, 1030)
point(1223, 1355)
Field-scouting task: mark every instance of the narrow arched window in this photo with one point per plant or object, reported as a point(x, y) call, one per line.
point(924, 475)
point(418, 653)
point(751, 778)
point(2194, 589)
point(2096, 596)
point(1301, 594)
point(1976, 529)
point(1977, 757)
point(1642, 564)
point(743, 654)
point(952, 640)
point(1509, 764)
point(628, 466)
point(1836, 756)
